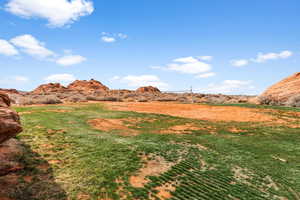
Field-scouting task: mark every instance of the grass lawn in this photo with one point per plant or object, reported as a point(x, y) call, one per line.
point(68, 159)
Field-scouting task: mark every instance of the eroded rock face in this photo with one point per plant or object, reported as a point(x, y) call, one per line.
point(88, 87)
point(282, 91)
point(10, 153)
point(10, 124)
point(50, 88)
point(148, 89)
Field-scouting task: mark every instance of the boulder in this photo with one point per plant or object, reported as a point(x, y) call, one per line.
point(10, 124)
point(88, 87)
point(282, 91)
point(148, 89)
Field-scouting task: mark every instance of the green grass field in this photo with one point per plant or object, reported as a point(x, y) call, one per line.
point(68, 159)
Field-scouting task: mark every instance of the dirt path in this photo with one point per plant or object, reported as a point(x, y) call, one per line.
point(203, 112)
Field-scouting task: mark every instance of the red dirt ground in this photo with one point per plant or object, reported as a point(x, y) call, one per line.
point(202, 112)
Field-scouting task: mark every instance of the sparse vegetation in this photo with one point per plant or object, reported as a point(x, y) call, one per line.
point(86, 163)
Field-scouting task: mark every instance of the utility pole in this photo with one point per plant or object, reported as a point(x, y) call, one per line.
point(192, 97)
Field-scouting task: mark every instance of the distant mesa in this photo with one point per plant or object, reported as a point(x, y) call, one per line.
point(89, 87)
point(283, 91)
point(50, 88)
point(148, 89)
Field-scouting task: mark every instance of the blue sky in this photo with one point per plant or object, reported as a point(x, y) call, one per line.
point(216, 46)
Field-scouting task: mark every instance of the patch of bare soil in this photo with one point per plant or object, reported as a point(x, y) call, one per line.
point(113, 124)
point(153, 167)
point(203, 112)
point(164, 191)
point(184, 129)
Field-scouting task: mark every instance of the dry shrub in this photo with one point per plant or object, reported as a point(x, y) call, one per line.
point(268, 100)
point(38, 99)
point(76, 98)
point(293, 101)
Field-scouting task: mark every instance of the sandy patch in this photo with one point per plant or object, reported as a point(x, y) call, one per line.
point(194, 111)
point(164, 191)
point(113, 124)
point(153, 167)
point(181, 129)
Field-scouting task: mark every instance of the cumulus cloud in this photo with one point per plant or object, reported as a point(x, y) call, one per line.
point(205, 58)
point(206, 75)
point(261, 57)
point(108, 39)
point(239, 63)
point(7, 49)
point(30, 45)
point(142, 80)
point(57, 12)
point(60, 78)
point(112, 37)
point(69, 60)
point(188, 65)
point(229, 87)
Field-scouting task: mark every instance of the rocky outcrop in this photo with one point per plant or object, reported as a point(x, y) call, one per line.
point(9, 120)
point(9, 91)
point(282, 91)
point(148, 89)
point(88, 87)
point(50, 88)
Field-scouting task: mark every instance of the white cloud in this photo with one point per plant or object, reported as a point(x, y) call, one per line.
point(205, 58)
point(7, 49)
point(189, 59)
point(206, 75)
point(113, 37)
point(239, 63)
point(70, 60)
point(272, 56)
point(60, 78)
point(122, 35)
point(142, 80)
point(57, 12)
point(230, 87)
point(13, 81)
point(189, 65)
point(108, 39)
point(32, 46)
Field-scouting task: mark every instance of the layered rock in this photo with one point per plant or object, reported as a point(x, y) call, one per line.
point(282, 91)
point(50, 88)
point(148, 89)
point(9, 120)
point(88, 87)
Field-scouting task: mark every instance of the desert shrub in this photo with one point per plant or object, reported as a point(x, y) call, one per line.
point(130, 95)
point(293, 101)
point(49, 99)
point(77, 98)
point(165, 99)
point(268, 100)
point(142, 100)
point(38, 99)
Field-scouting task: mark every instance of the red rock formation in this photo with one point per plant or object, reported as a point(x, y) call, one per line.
point(9, 120)
point(88, 87)
point(148, 89)
point(283, 90)
point(50, 88)
point(9, 91)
